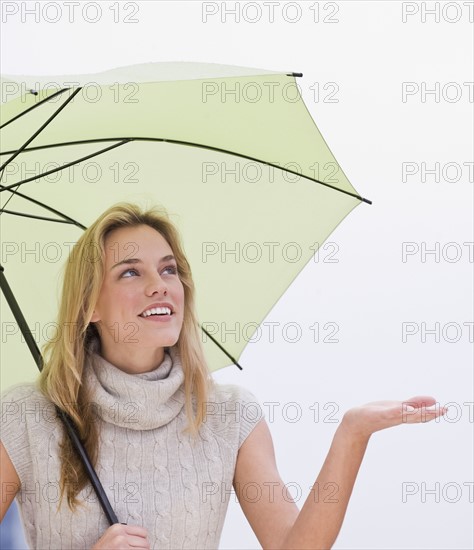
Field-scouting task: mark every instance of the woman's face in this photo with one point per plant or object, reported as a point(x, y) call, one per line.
point(139, 276)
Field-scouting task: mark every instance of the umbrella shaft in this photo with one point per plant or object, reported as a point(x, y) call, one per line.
point(68, 423)
point(20, 319)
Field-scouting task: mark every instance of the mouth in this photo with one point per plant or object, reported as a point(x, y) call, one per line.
point(163, 312)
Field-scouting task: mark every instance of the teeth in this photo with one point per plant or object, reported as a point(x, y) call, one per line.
point(156, 311)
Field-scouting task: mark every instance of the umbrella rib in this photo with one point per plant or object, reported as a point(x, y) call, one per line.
point(211, 148)
point(45, 206)
point(201, 146)
point(40, 129)
point(221, 348)
point(59, 92)
point(32, 216)
point(60, 168)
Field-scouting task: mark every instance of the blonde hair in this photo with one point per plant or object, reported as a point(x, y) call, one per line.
point(68, 351)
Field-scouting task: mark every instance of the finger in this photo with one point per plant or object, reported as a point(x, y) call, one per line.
point(433, 412)
point(420, 401)
point(138, 542)
point(423, 414)
point(135, 530)
point(129, 541)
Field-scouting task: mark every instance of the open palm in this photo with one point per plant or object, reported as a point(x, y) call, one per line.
point(378, 415)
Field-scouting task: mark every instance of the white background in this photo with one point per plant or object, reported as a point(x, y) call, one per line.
point(368, 51)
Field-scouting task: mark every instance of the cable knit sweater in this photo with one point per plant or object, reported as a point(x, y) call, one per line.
point(154, 475)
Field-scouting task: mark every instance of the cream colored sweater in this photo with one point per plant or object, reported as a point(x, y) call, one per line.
point(153, 474)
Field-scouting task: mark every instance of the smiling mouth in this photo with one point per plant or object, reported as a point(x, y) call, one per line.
point(156, 312)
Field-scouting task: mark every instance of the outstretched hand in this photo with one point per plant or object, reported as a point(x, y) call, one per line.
point(363, 421)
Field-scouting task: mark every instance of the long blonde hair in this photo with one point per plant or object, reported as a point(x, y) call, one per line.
point(67, 352)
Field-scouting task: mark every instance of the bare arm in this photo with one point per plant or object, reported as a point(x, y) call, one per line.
point(320, 520)
point(9, 481)
point(261, 491)
point(276, 520)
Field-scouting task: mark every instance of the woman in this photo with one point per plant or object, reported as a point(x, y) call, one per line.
point(167, 443)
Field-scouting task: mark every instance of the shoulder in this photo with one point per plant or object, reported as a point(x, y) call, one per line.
point(23, 406)
point(232, 411)
point(27, 422)
point(223, 395)
point(15, 396)
point(19, 392)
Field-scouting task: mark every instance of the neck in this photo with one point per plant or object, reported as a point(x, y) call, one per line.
point(132, 358)
point(138, 401)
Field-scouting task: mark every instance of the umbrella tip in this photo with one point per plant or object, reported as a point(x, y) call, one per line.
point(34, 92)
point(295, 74)
point(366, 200)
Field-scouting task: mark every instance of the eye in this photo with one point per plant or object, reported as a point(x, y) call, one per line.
point(172, 269)
point(124, 274)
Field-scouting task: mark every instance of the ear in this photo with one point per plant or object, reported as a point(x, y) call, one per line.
point(95, 317)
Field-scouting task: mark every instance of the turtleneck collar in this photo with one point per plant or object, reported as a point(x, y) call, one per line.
point(136, 401)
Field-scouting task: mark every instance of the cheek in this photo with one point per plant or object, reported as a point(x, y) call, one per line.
point(117, 300)
point(179, 299)
point(181, 293)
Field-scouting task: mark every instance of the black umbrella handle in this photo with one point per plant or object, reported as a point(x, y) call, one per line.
point(68, 423)
point(96, 484)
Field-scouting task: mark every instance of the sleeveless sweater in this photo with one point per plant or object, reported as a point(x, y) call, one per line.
point(154, 475)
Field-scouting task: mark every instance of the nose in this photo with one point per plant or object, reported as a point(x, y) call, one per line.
point(155, 284)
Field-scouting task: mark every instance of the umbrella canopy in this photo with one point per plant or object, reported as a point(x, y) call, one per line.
point(231, 153)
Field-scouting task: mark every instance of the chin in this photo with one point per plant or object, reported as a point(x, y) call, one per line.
point(167, 342)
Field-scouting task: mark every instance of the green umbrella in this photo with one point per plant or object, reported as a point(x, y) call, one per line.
point(231, 152)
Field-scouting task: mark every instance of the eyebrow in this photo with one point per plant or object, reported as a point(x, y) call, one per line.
point(131, 261)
